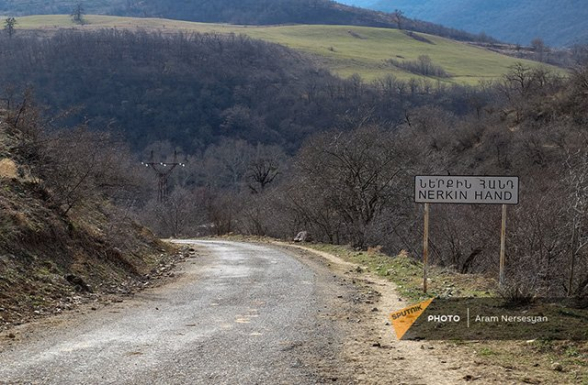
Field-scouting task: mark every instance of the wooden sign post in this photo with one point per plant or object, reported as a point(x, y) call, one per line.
point(501, 190)
point(502, 247)
point(426, 247)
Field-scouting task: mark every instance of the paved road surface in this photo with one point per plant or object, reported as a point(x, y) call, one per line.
point(238, 314)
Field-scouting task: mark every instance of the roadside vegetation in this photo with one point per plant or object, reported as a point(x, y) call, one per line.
point(64, 239)
point(536, 361)
point(355, 186)
point(532, 362)
point(407, 274)
point(274, 144)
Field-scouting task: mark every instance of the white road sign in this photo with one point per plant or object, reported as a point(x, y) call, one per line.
point(467, 189)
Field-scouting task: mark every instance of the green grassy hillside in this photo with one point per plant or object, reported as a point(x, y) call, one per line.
point(345, 50)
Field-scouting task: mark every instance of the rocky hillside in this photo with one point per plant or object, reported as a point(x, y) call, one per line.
point(54, 255)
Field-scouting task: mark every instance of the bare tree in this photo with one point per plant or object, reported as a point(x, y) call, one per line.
point(265, 166)
point(222, 211)
point(179, 215)
point(97, 165)
point(524, 87)
point(78, 13)
point(226, 164)
point(577, 181)
point(398, 17)
point(262, 172)
point(356, 175)
point(10, 26)
point(539, 47)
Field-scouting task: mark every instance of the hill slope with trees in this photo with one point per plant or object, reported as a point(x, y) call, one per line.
point(194, 90)
point(185, 89)
point(356, 186)
point(66, 234)
point(52, 7)
point(370, 52)
point(561, 23)
point(247, 12)
point(266, 135)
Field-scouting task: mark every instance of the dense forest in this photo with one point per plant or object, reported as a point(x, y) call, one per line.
point(274, 145)
point(194, 90)
point(188, 89)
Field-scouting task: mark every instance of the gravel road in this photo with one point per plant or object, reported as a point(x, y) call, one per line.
point(236, 314)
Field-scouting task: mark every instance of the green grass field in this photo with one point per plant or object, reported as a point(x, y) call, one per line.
point(346, 50)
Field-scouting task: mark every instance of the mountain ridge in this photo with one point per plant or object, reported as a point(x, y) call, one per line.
point(561, 23)
point(245, 12)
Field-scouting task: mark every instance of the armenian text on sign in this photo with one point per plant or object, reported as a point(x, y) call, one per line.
point(467, 189)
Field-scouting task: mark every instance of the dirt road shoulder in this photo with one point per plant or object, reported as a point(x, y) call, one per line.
point(371, 347)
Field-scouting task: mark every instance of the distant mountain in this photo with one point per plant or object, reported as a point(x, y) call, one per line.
point(557, 22)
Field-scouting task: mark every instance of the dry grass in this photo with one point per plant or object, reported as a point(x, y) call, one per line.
point(8, 168)
point(40, 246)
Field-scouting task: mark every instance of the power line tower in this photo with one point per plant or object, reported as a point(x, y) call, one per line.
point(163, 171)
